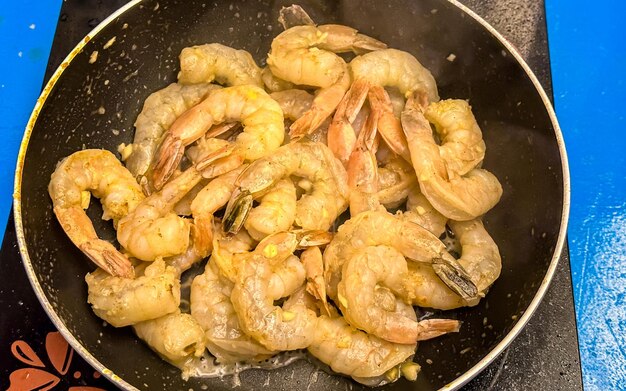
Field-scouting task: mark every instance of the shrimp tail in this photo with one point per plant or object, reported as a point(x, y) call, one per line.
point(108, 258)
point(294, 15)
point(456, 278)
point(364, 44)
point(433, 328)
point(169, 157)
point(312, 238)
point(237, 211)
point(306, 124)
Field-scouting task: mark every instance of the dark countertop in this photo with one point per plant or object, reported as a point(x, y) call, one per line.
point(545, 354)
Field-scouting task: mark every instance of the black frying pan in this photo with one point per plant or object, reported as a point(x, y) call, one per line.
point(524, 149)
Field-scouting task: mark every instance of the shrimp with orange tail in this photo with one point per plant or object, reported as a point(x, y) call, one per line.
point(305, 55)
point(97, 172)
point(261, 117)
point(458, 197)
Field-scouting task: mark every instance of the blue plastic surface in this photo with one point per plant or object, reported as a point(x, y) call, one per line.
point(588, 57)
point(26, 31)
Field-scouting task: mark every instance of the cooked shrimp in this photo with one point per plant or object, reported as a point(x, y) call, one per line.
point(374, 228)
point(480, 256)
point(97, 172)
point(212, 308)
point(421, 212)
point(175, 337)
point(155, 292)
point(293, 102)
point(225, 65)
point(394, 68)
point(305, 55)
point(367, 273)
point(154, 230)
point(462, 146)
point(396, 181)
point(159, 112)
point(313, 161)
point(424, 288)
point(275, 213)
point(273, 83)
point(459, 197)
point(261, 116)
point(348, 350)
point(253, 299)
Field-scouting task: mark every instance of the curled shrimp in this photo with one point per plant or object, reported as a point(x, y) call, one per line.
point(260, 115)
point(216, 62)
point(97, 172)
point(458, 197)
point(212, 308)
point(155, 292)
point(462, 146)
point(154, 230)
point(275, 213)
point(176, 337)
point(350, 351)
point(316, 210)
point(159, 112)
point(305, 55)
point(480, 258)
point(374, 228)
point(394, 68)
point(366, 298)
point(396, 182)
point(421, 212)
point(253, 298)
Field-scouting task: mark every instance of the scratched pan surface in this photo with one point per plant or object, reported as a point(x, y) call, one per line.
point(94, 104)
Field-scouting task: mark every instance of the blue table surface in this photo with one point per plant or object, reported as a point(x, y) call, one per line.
point(588, 59)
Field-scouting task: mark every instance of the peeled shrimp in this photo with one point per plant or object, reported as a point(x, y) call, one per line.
point(456, 197)
point(97, 172)
point(305, 55)
point(350, 351)
point(421, 212)
point(225, 65)
point(154, 230)
point(253, 298)
point(396, 181)
point(293, 102)
point(275, 213)
point(260, 115)
point(370, 274)
point(176, 337)
point(155, 292)
point(462, 146)
point(316, 210)
point(159, 112)
point(212, 308)
point(373, 228)
point(394, 68)
point(273, 83)
point(480, 256)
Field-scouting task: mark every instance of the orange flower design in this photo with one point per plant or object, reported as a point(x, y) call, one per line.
point(59, 354)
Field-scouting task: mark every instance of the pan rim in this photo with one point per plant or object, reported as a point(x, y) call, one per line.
point(455, 384)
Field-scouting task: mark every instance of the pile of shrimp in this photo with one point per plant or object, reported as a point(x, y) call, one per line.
point(316, 191)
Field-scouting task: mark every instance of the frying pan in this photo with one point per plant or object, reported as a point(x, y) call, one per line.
point(93, 105)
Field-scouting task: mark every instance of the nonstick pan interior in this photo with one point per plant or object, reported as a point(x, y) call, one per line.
point(94, 105)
